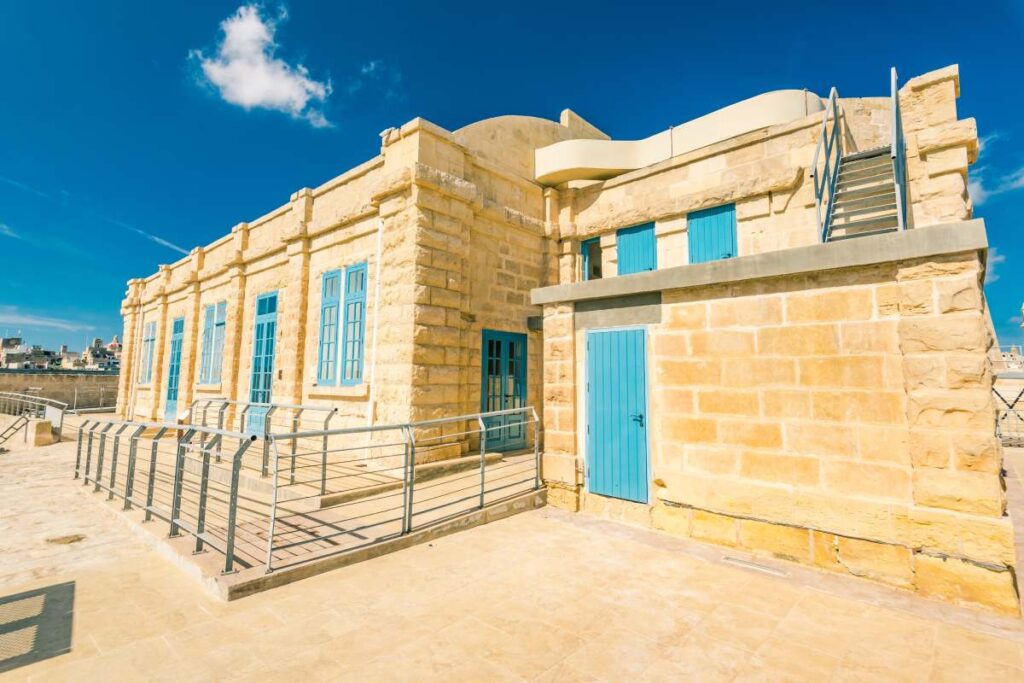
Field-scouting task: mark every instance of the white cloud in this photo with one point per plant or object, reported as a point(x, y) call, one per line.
point(150, 236)
point(6, 231)
point(994, 259)
point(981, 187)
point(1015, 320)
point(10, 315)
point(985, 142)
point(247, 73)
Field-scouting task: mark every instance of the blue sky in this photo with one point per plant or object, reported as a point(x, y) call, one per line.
point(130, 131)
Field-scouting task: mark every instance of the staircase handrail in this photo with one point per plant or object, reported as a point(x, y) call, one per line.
point(830, 143)
point(898, 153)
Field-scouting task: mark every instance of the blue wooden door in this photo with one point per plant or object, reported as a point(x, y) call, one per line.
point(637, 249)
point(617, 414)
point(503, 387)
point(712, 233)
point(262, 378)
point(174, 369)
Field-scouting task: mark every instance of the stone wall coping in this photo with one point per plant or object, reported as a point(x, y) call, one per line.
point(934, 240)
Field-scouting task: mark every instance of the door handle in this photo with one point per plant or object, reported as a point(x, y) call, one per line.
point(639, 418)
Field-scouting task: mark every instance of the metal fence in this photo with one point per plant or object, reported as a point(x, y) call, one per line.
point(326, 490)
point(185, 475)
point(25, 405)
point(94, 399)
point(1010, 417)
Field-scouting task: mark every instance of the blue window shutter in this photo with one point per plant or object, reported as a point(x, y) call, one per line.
point(354, 325)
point(206, 357)
point(585, 246)
point(148, 342)
point(637, 249)
point(711, 233)
point(328, 353)
point(217, 355)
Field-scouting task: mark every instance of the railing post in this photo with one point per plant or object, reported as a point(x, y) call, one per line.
point(273, 506)
point(236, 466)
point(98, 475)
point(113, 461)
point(152, 473)
point(483, 459)
point(406, 520)
point(129, 483)
point(220, 424)
point(295, 430)
point(266, 443)
point(88, 456)
point(78, 454)
point(536, 448)
point(410, 482)
point(203, 486)
point(179, 475)
point(323, 463)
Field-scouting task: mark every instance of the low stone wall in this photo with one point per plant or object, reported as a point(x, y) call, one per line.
point(842, 418)
point(94, 389)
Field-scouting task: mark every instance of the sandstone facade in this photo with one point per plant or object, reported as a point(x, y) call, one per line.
point(840, 418)
point(837, 416)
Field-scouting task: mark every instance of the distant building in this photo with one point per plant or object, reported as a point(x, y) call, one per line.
point(100, 356)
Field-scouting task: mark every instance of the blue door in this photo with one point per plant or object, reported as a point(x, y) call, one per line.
point(174, 369)
point(637, 249)
point(262, 379)
point(503, 387)
point(712, 233)
point(617, 414)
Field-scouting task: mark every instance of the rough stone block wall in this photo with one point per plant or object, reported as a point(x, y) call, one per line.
point(842, 420)
point(61, 386)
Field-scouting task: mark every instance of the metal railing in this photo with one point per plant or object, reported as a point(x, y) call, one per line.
point(1009, 419)
point(829, 153)
point(94, 399)
point(898, 152)
point(26, 405)
point(331, 490)
point(261, 419)
point(368, 484)
point(168, 472)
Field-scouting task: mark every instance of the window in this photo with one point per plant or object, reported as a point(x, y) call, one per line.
point(148, 343)
point(591, 251)
point(329, 304)
point(354, 325)
point(711, 233)
point(213, 343)
point(637, 249)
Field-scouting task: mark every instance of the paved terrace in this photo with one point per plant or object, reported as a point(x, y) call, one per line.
point(544, 595)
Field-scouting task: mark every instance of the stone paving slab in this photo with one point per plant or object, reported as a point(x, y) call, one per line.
point(544, 595)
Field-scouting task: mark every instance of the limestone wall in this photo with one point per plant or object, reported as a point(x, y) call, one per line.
point(462, 240)
point(61, 386)
point(767, 175)
point(842, 420)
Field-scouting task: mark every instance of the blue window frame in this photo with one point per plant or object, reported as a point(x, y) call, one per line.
point(148, 344)
point(637, 249)
point(711, 233)
point(591, 252)
point(212, 356)
point(330, 302)
point(354, 325)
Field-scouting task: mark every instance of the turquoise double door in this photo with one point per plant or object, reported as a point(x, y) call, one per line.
point(174, 370)
point(617, 420)
point(261, 377)
point(503, 387)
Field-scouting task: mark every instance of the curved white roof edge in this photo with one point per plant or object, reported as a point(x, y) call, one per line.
point(603, 159)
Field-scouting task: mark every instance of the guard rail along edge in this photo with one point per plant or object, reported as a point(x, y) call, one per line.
point(327, 491)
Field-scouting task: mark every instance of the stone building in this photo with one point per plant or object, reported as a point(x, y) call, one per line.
point(763, 328)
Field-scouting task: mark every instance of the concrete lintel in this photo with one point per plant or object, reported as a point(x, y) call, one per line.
point(640, 309)
point(934, 240)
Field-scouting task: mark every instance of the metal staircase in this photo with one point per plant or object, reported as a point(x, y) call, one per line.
point(863, 193)
point(13, 428)
point(865, 199)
